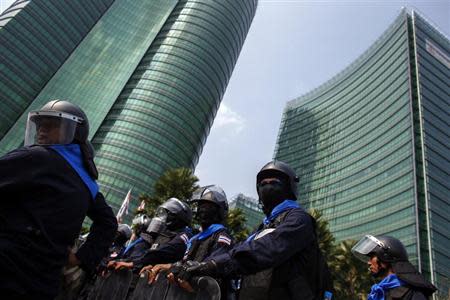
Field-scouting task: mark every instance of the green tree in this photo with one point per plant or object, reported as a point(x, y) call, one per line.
point(236, 224)
point(352, 281)
point(324, 235)
point(174, 183)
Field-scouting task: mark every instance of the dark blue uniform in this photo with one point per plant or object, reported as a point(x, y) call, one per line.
point(208, 244)
point(165, 249)
point(43, 204)
point(283, 253)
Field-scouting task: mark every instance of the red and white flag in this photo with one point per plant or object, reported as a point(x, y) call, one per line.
point(124, 208)
point(141, 206)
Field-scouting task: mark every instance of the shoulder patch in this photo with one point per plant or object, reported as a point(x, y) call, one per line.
point(224, 239)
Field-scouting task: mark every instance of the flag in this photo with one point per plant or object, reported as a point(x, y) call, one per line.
point(141, 206)
point(124, 208)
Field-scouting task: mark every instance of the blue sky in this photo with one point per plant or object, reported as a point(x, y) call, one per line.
point(291, 48)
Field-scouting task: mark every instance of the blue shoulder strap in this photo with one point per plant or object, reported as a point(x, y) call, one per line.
point(72, 154)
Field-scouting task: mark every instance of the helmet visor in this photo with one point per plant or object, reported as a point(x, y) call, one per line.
point(365, 246)
point(159, 222)
point(50, 128)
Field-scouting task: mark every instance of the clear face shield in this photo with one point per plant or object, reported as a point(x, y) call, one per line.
point(365, 246)
point(159, 222)
point(50, 128)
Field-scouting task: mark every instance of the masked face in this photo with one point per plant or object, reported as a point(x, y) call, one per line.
point(207, 213)
point(271, 191)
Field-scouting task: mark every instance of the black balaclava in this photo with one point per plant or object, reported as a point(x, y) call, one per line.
point(173, 223)
point(207, 213)
point(273, 193)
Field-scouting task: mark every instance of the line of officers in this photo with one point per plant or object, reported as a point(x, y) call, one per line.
point(48, 187)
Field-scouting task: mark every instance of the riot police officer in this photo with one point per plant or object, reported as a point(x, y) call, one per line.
point(388, 260)
point(211, 213)
point(165, 237)
point(280, 259)
point(47, 188)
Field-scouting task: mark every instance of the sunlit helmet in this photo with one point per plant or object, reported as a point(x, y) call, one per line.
point(385, 248)
point(172, 214)
point(213, 194)
point(57, 122)
point(279, 169)
point(179, 209)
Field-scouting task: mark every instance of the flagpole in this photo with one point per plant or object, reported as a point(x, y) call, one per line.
point(124, 207)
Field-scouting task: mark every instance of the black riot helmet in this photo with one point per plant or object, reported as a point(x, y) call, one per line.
point(387, 249)
point(61, 122)
point(123, 234)
point(213, 194)
point(68, 117)
point(279, 169)
point(180, 209)
point(125, 230)
point(173, 214)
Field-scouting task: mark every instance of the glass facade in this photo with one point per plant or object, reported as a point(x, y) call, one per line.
point(163, 115)
point(432, 79)
point(149, 74)
point(251, 209)
point(36, 37)
point(359, 140)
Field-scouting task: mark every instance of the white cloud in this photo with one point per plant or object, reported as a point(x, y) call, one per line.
point(229, 120)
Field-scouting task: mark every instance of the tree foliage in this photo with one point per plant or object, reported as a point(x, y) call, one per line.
point(351, 279)
point(324, 235)
point(236, 224)
point(175, 183)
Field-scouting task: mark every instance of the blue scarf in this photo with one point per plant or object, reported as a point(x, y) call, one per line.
point(72, 154)
point(276, 211)
point(204, 234)
point(132, 244)
point(389, 282)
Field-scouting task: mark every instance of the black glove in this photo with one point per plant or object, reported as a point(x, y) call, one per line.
point(208, 268)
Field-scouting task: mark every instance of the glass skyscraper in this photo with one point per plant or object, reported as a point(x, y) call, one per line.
point(149, 74)
point(371, 146)
point(250, 208)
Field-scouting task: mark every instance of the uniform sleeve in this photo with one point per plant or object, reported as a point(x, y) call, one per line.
point(295, 233)
point(222, 245)
point(101, 234)
point(169, 252)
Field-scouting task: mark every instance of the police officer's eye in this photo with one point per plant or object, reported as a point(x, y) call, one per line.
point(269, 181)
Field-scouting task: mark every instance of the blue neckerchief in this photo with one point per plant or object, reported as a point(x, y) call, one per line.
point(276, 211)
point(389, 282)
point(132, 244)
point(204, 234)
point(72, 154)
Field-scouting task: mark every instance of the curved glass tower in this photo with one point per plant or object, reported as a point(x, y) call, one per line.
point(359, 143)
point(151, 87)
point(164, 113)
point(36, 37)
